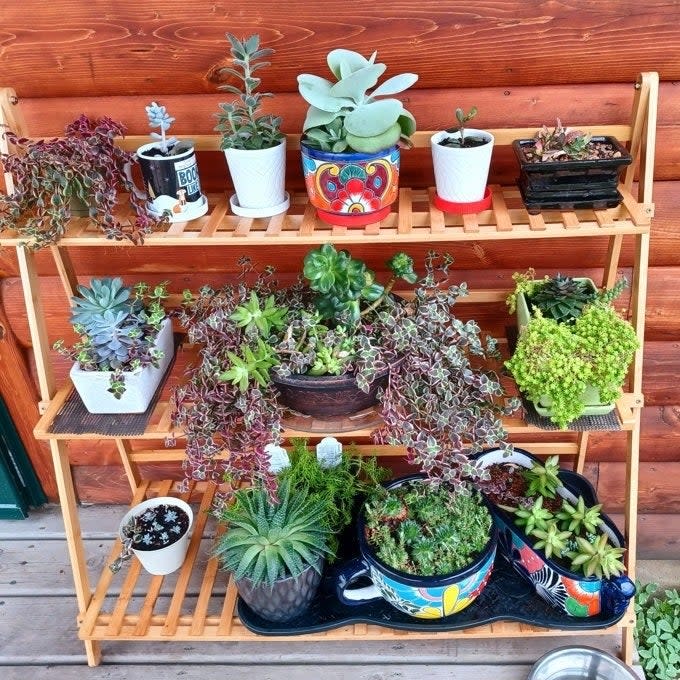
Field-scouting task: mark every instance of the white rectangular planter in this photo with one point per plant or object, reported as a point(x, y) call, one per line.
point(140, 385)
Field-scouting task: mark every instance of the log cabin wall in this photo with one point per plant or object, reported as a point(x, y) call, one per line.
point(521, 62)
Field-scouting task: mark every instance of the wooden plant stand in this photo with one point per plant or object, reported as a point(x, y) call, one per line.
point(115, 611)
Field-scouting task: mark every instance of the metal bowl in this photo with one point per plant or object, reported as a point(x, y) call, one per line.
point(580, 663)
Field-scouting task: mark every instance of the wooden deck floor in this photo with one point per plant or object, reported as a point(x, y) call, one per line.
point(38, 636)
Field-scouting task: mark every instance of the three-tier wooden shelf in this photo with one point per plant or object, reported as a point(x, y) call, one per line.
point(201, 601)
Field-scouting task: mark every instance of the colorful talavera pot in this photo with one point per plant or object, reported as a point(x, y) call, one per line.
point(351, 189)
point(423, 597)
point(571, 592)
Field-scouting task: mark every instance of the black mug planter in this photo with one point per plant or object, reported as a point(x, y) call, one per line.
point(172, 183)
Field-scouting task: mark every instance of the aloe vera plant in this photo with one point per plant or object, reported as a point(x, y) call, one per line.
point(344, 115)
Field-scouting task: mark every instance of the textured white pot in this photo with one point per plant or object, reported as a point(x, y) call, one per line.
point(140, 385)
point(164, 560)
point(461, 174)
point(259, 178)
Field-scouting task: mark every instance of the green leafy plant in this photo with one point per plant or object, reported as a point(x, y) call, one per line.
point(562, 298)
point(460, 141)
point(533, 517)
point(268, 541)
point(345, 116)
point(558, 360)
point(598, 557)
point(578, 518)
point(443, 399)
point(427, 530)
point(551, 540)
point(656, 631)
point(117, 328)
point(238, 122)
point(338, 487)
point(54, 178)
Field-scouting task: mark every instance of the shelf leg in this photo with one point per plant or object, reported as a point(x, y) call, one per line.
point(627, 645)
point(131, 470)
point(74, 541)
point(582, 444)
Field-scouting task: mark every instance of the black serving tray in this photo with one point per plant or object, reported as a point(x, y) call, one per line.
point(507, 597)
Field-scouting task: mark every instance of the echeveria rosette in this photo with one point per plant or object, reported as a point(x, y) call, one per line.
point(345, 116)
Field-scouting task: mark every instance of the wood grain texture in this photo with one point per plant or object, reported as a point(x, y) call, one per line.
point(98, 48)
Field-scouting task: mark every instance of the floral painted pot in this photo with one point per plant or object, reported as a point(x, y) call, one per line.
point(569, 591)
point(351, 189)
point(423, 597)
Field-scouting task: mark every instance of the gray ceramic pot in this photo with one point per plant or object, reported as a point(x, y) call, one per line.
point(285, 600)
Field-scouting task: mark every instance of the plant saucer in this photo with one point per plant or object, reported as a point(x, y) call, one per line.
point(269, 211)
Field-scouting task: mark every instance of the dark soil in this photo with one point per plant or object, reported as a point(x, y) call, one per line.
point(506, 486)
point(469, 142)
point(595, 151)
point(156, 151)
point(160, 526)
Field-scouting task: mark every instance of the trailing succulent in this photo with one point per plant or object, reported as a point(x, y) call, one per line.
point(345, 116)
point(572, 340)
point(419, 528)
point(441, 402)
point(238, 122)
point(270, 540)
point(86, 166)
point(117, 328)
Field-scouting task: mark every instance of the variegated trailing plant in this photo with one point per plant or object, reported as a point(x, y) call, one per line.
point(442, 400)
point(85, 167)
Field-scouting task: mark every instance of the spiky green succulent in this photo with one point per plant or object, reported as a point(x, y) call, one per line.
point(599, 558)
point(543, 479)
point(345, 116)
point(267, 541)
point(578, 518)
point(563, 298)
point(531, 518)
point(551, 540)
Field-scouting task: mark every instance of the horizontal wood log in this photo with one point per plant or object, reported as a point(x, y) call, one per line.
point(167, 47)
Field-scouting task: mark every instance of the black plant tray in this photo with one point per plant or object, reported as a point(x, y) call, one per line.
point(507, 597)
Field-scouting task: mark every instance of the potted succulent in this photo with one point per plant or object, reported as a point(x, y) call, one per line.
point(157, 532)
point(428, 549)
point(173, 187)
point(125, 345)
point(573, 353)
point(566, 169)
point(555, 535)
point(440, 398)
point(275, 549)
point(79, 174)
point(254, 147)
point(461, 158)
point(350, 152)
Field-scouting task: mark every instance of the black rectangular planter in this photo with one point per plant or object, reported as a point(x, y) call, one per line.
point(570, 184)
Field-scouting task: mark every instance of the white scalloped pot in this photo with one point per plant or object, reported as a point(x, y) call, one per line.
point(140, 385)
point(259, 177)
point(461, 174)
point(164, 560)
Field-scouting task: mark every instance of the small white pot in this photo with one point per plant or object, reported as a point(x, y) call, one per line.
point(259, 178)
point(461, 174)
point(164, 560)
point(140, 385)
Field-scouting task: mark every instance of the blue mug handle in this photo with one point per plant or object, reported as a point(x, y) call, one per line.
point(349, 572)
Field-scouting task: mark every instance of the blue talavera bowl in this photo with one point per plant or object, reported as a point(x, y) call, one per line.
point(423, 597)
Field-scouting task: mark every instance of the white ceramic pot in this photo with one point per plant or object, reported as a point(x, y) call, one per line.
point(140, 385)
point(259, 178)
point(461, 174)
point(164, 560)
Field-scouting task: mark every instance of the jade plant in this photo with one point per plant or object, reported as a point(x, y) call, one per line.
point(239, 122)
point(347, 115)
point(557, 358)
point(427, 530)
point(458, 139)
point(118, 326)
point(443, 399)
point(56, 178)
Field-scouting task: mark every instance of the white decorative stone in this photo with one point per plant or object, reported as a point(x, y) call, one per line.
point(329, 452)
point(278, 458)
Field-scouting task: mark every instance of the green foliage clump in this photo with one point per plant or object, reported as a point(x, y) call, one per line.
point(335, 488)
point(543, 479)
point(267, 541)
point(427, 530)
point(657, 631)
